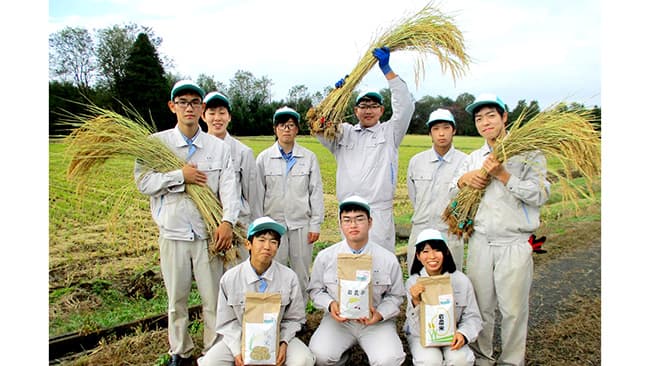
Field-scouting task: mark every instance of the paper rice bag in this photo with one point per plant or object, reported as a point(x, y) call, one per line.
point(261, 328)
point(355, 291)
point(437, 320)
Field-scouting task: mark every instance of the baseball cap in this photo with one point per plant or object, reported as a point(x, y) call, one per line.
point(354, 201)
point(264, 223)
point(286, 111)
point(485, 98)
point(217, 98)
point(429, 234)
point(186, 85)
point(441, 114)
point(370, 93)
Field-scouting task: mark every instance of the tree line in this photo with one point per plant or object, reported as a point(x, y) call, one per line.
point(120, 68)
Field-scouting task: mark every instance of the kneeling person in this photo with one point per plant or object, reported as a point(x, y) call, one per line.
point(260, 273)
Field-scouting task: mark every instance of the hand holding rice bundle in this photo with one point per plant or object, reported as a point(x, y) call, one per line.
point(427, 31)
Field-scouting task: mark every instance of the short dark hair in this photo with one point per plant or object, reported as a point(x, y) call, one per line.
point(368, 98)
point(448, 264)
point(488, 105)
point(276, 235)
point(437, 122)
point(353, 207)
point(284, 118)
point(216, 102)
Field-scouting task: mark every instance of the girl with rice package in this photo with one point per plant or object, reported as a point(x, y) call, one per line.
point(432, 270)
point(260, 307)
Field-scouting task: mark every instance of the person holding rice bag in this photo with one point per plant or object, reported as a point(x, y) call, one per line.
point(375, 331)
point(433, 259)
point(258, 281)
point(367, 153)
point(499, 257)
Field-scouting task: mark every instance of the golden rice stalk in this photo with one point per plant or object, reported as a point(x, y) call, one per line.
point(103, 134)
point(427, 31)
point(566, 137)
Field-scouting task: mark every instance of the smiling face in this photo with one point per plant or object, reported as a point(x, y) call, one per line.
point(489, 123)
point(431, 259)
point(368, 111)
point(217, 119)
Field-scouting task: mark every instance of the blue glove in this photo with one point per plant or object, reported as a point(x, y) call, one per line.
point(341, 82)
point(382, 55)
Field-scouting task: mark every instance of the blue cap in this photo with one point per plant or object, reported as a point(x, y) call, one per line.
point(186, 85)
point(264, 223)
point(441, 114)
point(217, 97)
point(370, 93)
point(354, 201)
point(485, 98)
point(286, 111)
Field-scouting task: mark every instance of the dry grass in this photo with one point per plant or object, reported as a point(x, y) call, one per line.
point(103, 134)
point(428, 31)
point(567, 137)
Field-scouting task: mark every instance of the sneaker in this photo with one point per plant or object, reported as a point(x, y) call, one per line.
point(177, 360)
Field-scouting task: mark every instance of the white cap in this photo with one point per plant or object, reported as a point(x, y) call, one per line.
point(354, 201)
point(186, 85)
point(441, 114)
point(264, 223)
point(429, 234)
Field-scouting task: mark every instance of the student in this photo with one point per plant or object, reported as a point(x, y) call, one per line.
point(499, 257)
point(292, 193)
point(366, 153)
point(259, 273)
point(429, 175)
point(433, 258)
point(183, 236)
point(217, 116)
point(376, 334)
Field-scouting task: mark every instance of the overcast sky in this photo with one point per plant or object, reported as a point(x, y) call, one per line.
point(547, 51)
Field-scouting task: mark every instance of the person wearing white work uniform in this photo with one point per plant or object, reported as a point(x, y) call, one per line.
point(367, 153)
point(428, 178)
point(433, 258)
point(217, 116)
point(499, 257)
point(377, 334)
point(183, 236)
point(292, 194)
point(259, 273)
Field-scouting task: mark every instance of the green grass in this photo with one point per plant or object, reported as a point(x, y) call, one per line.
point(90, 250)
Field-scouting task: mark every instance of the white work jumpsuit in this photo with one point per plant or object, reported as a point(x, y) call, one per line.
point(367, 159)
point(499, 257)
point(428, 179)
point(234, 285)
point(294, 199)
point(466, 315)
point(183, 236)
point(379, 341)
point(243, 163)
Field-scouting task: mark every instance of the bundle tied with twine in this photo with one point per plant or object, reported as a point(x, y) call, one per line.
point(565, 137)
point(102, 134)
point(427, 31)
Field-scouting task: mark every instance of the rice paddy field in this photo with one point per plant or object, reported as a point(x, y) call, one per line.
point(104, 263)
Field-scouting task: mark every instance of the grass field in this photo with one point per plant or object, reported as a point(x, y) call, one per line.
point(103, 261)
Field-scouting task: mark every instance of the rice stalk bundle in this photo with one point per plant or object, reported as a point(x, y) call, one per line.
point(566, 137)
point(103, 134)
point(427, 31)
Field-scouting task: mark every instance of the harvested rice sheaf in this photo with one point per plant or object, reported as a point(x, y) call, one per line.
point(565, 136)
point(428, 31)
point(103, 134)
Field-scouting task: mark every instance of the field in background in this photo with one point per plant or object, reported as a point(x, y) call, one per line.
point(104, 264)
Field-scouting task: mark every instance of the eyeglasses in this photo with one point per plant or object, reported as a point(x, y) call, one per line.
point(286, 126)
point(184, 103)
point(347, 221)
point(364, 107)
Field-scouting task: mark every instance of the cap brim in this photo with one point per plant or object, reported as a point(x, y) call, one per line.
point(470, 108)
point(294, 115)
point(267, 226)
point(356, 204)
point(193, 88)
